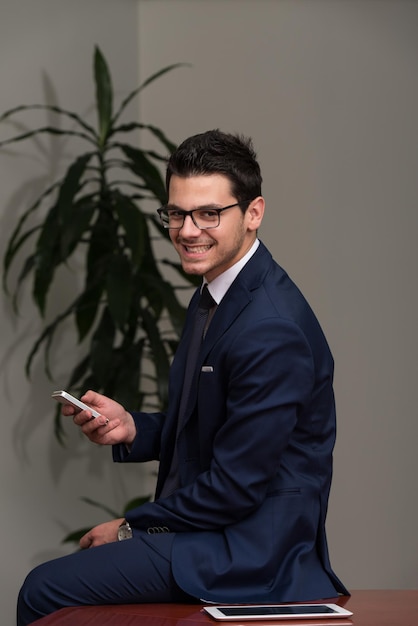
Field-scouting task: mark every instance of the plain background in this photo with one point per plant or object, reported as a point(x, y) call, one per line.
point(328, 89)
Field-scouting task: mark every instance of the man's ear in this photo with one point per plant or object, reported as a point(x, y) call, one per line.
point(255, 213)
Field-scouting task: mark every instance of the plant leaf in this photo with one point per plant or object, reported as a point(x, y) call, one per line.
point(76, 224)
point(127, 373)
point(50, 253)
point(101, 349)
point(104, 95)
point(114, 514)
point(78, 372)
point(157, 132)
point(119, 288)
point(148, 81)
point(58, 429)
point(46, 338)
point(160, 358)
point(70, 186)
point(134, 225)
point(87, 306)
point(142, 167)
point(16, 240)
point(135, 503)
point(103, 239)
point(54, 109)
point(176, 311)
point(47, 257)
point(49, 130)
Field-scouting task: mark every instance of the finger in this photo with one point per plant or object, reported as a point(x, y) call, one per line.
point(108, 434)
point(100, 422)
point(67, 410)
point(81, 417)
point(85, 417)
point(86, 541)
point(92, 398)
point(98, 431)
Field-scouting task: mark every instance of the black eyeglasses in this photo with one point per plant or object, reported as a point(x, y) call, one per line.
point(203, 218)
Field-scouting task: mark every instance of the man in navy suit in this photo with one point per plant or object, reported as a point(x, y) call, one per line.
point(244, 479)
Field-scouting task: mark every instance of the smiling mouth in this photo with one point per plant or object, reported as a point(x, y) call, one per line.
point(197, 249)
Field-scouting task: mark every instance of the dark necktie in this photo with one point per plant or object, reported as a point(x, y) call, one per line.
point(206, 302)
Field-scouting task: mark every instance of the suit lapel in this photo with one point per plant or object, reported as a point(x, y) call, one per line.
point(234, 302)
point(224, 316)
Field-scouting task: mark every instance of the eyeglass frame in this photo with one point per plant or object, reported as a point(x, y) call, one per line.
point(190, 213)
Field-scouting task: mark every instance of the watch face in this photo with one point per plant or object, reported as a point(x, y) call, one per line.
point(124, 532)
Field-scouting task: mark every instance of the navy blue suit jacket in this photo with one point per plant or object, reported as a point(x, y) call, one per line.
point(255, 453)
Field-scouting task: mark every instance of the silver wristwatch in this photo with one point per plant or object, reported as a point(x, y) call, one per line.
point(124, 531)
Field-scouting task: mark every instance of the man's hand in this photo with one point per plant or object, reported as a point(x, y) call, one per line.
point(114, 424)
point(101, 534)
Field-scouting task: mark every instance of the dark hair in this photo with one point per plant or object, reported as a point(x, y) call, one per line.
point(215, 152)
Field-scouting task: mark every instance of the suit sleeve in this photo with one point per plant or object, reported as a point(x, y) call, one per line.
point(270, 377)
point(146, 446)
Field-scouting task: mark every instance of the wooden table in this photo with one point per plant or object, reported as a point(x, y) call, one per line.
point(369, 607)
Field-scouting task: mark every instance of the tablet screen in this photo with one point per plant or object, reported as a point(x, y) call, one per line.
point(306, 609)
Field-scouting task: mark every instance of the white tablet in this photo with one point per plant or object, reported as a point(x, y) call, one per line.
point(276, 611)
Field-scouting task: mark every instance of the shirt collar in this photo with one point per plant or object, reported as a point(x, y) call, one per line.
point(220, 285)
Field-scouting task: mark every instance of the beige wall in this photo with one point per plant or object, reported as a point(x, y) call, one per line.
point(329, 92)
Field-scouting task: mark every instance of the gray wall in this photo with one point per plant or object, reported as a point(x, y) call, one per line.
point(46, 53)
point(329, 92)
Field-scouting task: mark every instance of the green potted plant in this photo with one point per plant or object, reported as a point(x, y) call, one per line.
point(127, 313)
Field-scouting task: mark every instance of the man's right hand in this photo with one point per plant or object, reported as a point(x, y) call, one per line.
point(113, 426)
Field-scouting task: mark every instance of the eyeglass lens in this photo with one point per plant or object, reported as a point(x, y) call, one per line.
point(202, 218)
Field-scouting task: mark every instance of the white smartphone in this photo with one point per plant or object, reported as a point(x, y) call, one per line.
point(276, 611)
point(66, 398)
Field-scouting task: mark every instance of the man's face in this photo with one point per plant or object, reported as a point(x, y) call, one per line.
point(210, 252)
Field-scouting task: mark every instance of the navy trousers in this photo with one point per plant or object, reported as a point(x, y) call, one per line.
point(133, 571)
